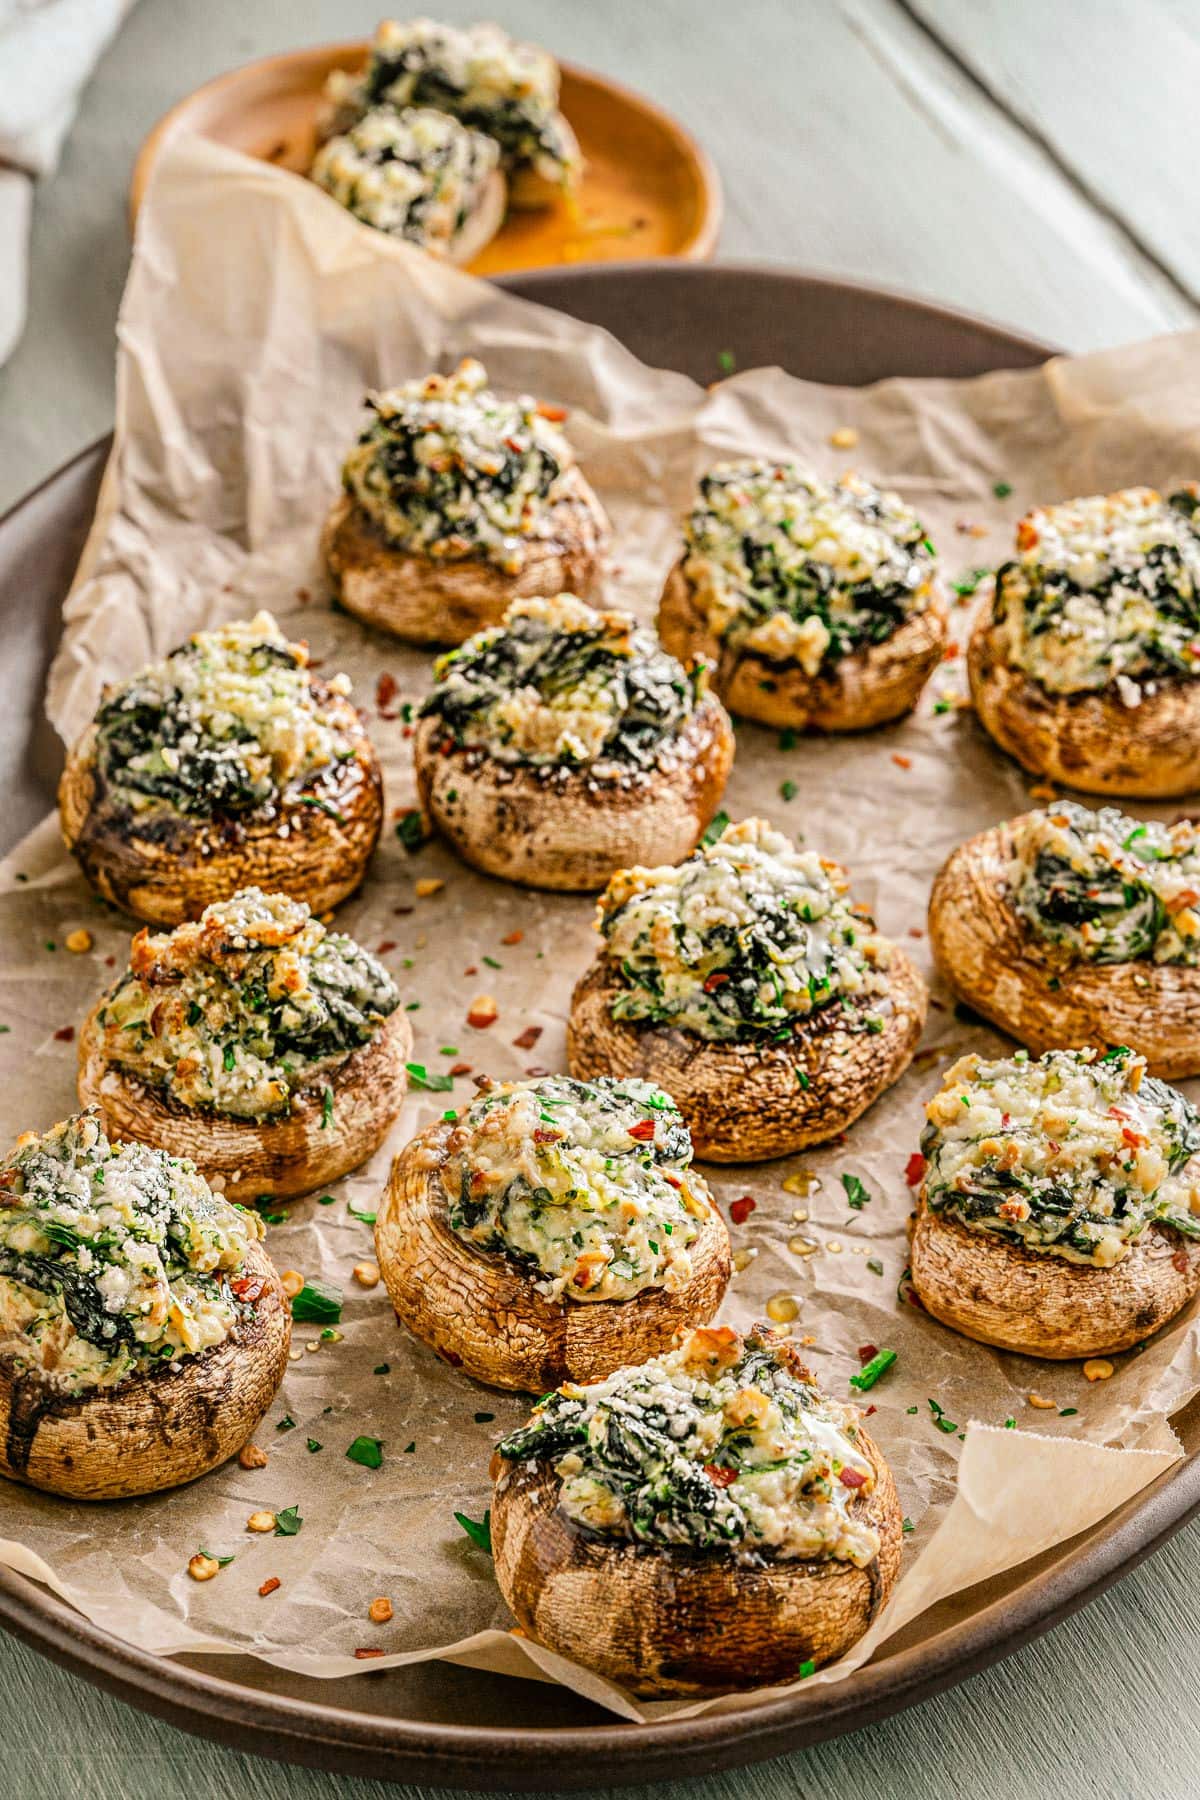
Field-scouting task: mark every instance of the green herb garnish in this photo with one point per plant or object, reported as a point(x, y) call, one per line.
point(368, 1451)
point(319, 1303)
point(478, 1530)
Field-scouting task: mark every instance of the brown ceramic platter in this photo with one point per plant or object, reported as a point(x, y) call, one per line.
point(436, 1723)
point(648, 188)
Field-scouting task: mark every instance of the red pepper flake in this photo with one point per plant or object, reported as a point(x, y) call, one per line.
point(555, 414)
point(473, 970)
point(65, 1035)
point(852, 1479)
point(867, 1351)
point(483, 1012)
point(387, 944)
point(915, 931)
point(914, 1169)
point(248, 1287)
point(671, 1180)
point(364, 1655)
point(403, 912)
point(302, 594)
point(1179, 1262)
point(720, 1477)
point(528, 1037)
point(643, 1131)
point(543, 1135)
point(110, 962)
point(950, 652)
point(512, 937)
point(461, 1069)
point(385, 691)
point(901, 762)
point(740, 1210)
point(869, 1411)
point(407, 731)
point(269, 1585)
point(715, 980)
point(511, 443)
point(1134, 1139)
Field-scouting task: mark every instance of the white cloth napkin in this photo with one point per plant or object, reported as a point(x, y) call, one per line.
point(48, 49)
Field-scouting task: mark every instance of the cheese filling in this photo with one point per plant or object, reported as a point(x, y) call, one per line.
point(800, 569)
point(1073, 1154)
point(245, 1008)
point(114, 1258)
point(1104, 590)
point(417, 174)
point(746, 938)
point(227, 723)
point(588, 1185)
point(562, 684)
point(724, 1444)
point(1110, 888)
point(505, 89)
point(447, 470)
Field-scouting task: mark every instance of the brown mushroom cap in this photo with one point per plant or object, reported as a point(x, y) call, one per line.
point(1092, 741)
point(480, 1311)
point(157, 1429)
point(668, 1621)
point(165, 867)
point(284, 1157)
point(743, 1102)
point(482, 222)
point(426, 600)
point(567, 829)
point(852, 693)
point(998, 1292)
point(1002, 969)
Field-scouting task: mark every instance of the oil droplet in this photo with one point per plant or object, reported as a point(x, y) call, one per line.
point(743, 1258)
point(858, 1249)
point(802, 1246)
point(833, 1244)
point(783, 1307)
point(800, 1216)
point(802, 1181)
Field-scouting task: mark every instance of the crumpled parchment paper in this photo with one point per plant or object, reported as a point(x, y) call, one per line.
point(256, 315)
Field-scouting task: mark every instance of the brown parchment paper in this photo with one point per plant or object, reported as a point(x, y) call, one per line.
point(256, 315)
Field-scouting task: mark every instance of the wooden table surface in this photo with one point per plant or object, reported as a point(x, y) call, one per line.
point(1031, 160)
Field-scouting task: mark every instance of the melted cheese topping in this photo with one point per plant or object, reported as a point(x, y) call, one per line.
point(724, 1444)
point(1073, 1154)
point(228, 722)
point(113, 1257)
point(418, 174)
point(244, 1009)
point(1104, 590)
point(587, 1184)
point(505, 89)
point(559, 683)
point(447, 470)
point(1109, 887)
point(749, 936)
point(801, 569)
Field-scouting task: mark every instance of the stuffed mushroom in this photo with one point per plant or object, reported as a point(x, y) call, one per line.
point(551, 1231)
point(816, 602)
point(479, 75)
point(143, 1329)
point(418, 175)
point(1059, 1209)
point(566, 742)
point(224, 765)
point(455, 504)
point(749, 985)
point(1068, 927)
point(269, 1050)
point(1085, 668)
point(700, 1522)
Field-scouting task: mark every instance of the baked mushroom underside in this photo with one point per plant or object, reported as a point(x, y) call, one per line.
point(159, 1428)
point(569, 829)
point(316, 1143)
point(665, 1621)
point(481, 1312)
point(749, 1101)
point(867, 687)
point(1041, 993)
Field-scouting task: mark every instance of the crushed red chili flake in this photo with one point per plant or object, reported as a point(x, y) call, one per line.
point(869, 1410)
point(473, 970)
point(1179, 1262)
point(302, 594)
point(740, 1210)
point(914, 1169)
point(363, 1655)
point(867, 1351)
point(407, 730)
point(387, 944)
point(643, 1131)
point(851, 1478)
point(269, 1585)
point(385, 691)
point(543, 1135)
point(915, 931)
point(715, 980)
point(460, 1069)
point(720, 1477)
point(671, 1180)
point(482, 1015)
point(403, 912)
point(512, 937)
point(65, 1035)
point(110, 962)
point(901, 762)
point(528, 1037)
point(247, 1287)
point(555, 414)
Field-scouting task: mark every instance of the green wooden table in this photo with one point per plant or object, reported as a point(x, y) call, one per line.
point(1030, 160)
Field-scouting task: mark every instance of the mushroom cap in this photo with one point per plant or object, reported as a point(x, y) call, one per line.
point(1001, 968)
point(998, 1292)
point(567, 829)
point(482, 222)
point(868, 687)
point(743, 1101)
point(480, 1311)
point(1090, 741)
point(164, 867)
point(429, 600)
point(158, 1428)
point(666, 1620)
point(285, 1157)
